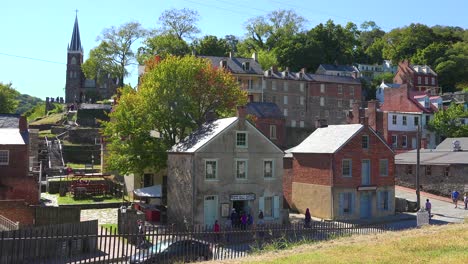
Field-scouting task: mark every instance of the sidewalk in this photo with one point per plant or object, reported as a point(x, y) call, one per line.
point(428, 195)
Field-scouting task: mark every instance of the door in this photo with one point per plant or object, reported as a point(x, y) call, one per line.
point(365, 205)
point(211, 209)
point(365, 172)
point(413, 143)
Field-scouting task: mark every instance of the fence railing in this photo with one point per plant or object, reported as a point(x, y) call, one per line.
point(163, 244)
point(8, 225)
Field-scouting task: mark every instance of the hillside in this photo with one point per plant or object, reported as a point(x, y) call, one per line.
point(430, 244)
point(26, 103)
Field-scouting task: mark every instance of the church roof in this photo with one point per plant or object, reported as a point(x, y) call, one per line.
point(75, 43)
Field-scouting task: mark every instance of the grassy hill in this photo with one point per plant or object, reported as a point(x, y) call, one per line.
point(430, 244)
point(27, 102)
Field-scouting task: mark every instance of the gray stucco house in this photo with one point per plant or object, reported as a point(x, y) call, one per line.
point(226, 164)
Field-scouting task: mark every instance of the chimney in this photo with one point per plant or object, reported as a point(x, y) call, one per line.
point(372, 114)
point(356, 114)
point(23, 124)
point(364, 121)
point(231, 54)
point(211, 116)
point(241, 111)
point(319, 123)
point(255, 56)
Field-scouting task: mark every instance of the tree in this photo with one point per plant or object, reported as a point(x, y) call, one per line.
point(8, 101)
point(162, 45)
point(180, 23)
point(114, 53)
point(211, 46)
point(174, 97)
point(448, 122)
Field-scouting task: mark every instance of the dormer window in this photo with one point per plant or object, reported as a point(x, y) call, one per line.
point(246, 66)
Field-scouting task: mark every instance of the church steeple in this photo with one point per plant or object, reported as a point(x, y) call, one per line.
point(75, 43)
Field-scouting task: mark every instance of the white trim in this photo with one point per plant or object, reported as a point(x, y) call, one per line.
point(272, 169)
point(216, 169)
point(246, 138)
point(246, 169)
point(7, 156)
point(350, 168)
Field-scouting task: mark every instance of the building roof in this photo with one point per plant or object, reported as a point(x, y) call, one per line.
point(333, 67)
point(95, 106)
point(389, 85)
point(311, 77)
point(433, 157)
point(423, 69)
point(12, 136)
point(327, 139)
point(235, 65)
point(264, 110)
point(203, 135)
point(75, 43)
point(9, 121)
point(447, 144)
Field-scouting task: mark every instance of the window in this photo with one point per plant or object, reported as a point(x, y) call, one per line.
point(351, 91)
point(273, 131)
point(285, 85)
point(71, 74)
point(409, 169)
point(416, 121)
point(241, 139)
point(383, 167)
point(365, 141)
point(268, 169)
point(322, 101)
point(301, 123)
point(211, 169)
point(346, 168)
point(428, 171)
point(426, 80)
point(394, 141)
point(301, 100)
point(383, 200)
point(250, 84)
point(285, 99)
point(404, 120)
point(340, 89)
point(351, 102)
point(394, 119)
point(268, 207)
point(433, 81)
point(285, 112)
point(273, 85)
point(339, 103)
point(447, 171)
point(246, 66)
point(327, 113)
point(4, 157)
point(419, 79)
point(293, 123)
point(241, 169)
point(346, 203)
point(301, 87)
point(148, 179)
point(273, 99)
point(428, 118)
point(404, 141)
point(322, 88)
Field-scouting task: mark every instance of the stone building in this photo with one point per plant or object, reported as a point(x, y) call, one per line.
point(78, 89)
point(341, 172)
point(441, 170)
point(226, 164)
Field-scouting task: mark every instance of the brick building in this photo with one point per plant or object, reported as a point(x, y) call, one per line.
point(15, 182)
point(341, 172)
point(397, 119)
point(269, 119)
point(441, 170)
point(418, 77)
point(78, 89)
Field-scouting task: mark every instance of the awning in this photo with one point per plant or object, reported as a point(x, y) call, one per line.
point(151, 192)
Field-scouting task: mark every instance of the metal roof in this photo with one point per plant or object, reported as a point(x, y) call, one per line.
point(447, 144)
point(12, 136)
point(333, 67)
point(236, 65)
point(433, 157)
point(264, 110)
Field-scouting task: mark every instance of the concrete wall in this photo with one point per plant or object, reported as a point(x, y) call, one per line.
point(179, 188)
point(313, 196)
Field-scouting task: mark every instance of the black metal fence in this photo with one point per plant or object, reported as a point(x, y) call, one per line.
point(163, 244)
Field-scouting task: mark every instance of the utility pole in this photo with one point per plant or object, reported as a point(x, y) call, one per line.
point(418, 147)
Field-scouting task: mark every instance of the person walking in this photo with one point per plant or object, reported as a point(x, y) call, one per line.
point(308, 218)
point(216, 229)
point(465, 200)
point(428, 207)
point(455, 195)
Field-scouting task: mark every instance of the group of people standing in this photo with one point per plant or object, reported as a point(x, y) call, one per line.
point(456, 195)
point(243, 220)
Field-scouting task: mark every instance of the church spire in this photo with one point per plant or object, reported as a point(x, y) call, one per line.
point(75, 44)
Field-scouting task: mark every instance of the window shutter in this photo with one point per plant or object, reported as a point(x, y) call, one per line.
point(276, 207)
point(261, 204)
point(379, 201)
point(341, 203)
point(353, 202)
point(391, 199)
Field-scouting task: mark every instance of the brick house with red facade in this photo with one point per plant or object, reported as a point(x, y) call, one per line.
point(418, 77)
point(269, 119)
point(15, 182)
point(341, 172)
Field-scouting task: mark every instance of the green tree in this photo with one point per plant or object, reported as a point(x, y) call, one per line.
point(8, 101)
point(211, 46)
point(452, 68)
point(162, 45)
point(448, 122)
point(114, 53)
point(180, 23)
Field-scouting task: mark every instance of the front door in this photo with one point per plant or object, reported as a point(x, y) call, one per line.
point(365, 205)
point(211, 209)
point(365, 172)
point(413, 143)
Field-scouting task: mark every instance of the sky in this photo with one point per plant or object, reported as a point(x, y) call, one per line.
point(35, 34)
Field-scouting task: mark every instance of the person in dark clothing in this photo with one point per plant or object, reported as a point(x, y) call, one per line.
point(234, 218)
point(308, 218)
point(243, 220)
point(250, 220)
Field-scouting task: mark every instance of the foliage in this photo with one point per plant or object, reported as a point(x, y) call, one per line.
point(180, 23)
point(26, 103)
point(162, 45)
point(211, 46)
point(35, 112)
point(8, 98)
point(448, 122)
point(65, 200)
point(173, 98)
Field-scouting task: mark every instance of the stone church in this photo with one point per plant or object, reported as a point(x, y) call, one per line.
point(78, 89)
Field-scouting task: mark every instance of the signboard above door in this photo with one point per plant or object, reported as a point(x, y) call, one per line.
point(242, 197)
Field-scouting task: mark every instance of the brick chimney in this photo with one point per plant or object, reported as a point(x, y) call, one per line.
point(372, 114)
point(356, 114)
point(23, 124)
point(424, 143)
point(231, 54)
point(255, 56)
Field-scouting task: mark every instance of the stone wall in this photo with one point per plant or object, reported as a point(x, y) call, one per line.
point(17, 211)
point(84, 135)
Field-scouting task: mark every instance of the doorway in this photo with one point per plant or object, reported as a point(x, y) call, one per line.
point(210, 209)
point(365, 172)
point(365, 205)
point(241, 206)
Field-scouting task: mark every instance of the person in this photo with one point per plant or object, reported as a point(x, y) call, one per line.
point(308, 218)
point(465, 200)
point(260, 218)
point(455, 195)
point(234, 217)
point(428, 207)
point(69, 170)
point(249, 220)
point(141, 240)
point(216, 229)
point(243, 220)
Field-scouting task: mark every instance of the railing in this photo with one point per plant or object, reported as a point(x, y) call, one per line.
point(54, 245)
point(8, 225)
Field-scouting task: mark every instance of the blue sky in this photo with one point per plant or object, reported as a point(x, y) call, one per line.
point(42, 29)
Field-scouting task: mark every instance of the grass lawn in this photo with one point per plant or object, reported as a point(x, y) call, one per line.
point(96, 199)
point(51, 119)
point(46, 133)
point(429, 244)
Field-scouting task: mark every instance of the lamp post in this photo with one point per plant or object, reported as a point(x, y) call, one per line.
point(418, 147)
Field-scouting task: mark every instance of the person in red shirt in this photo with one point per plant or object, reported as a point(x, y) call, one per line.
point(216, 229)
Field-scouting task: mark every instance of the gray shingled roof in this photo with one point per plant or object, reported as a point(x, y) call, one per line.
point(264, 110)
point(311, 77)
point(95, 106)
point(9, 121)
point(433, 157)
point(332, 67)
point(235, 64)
